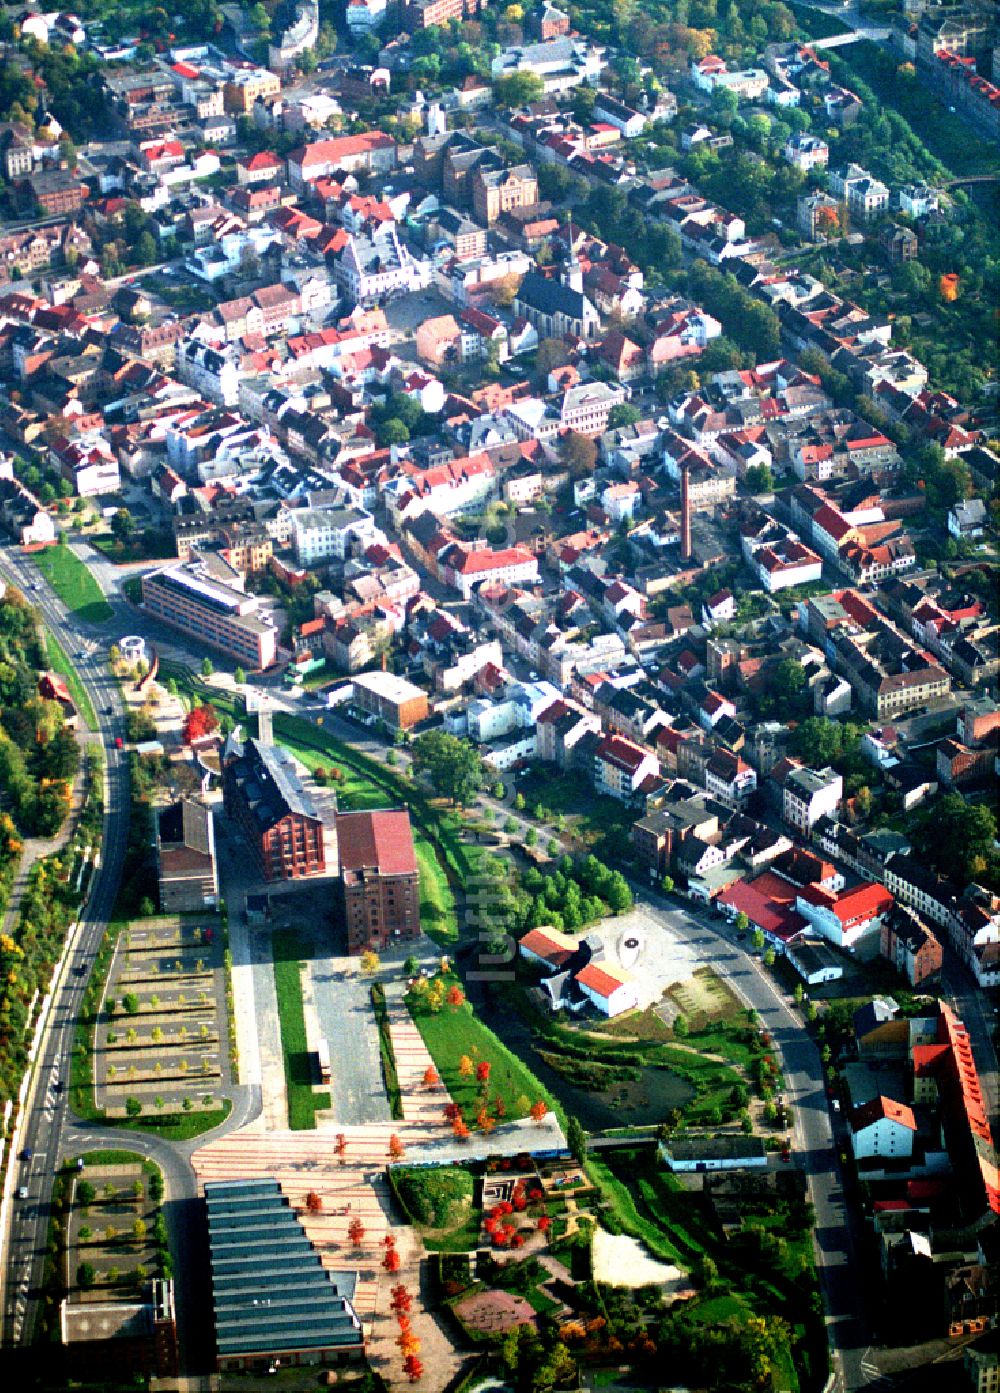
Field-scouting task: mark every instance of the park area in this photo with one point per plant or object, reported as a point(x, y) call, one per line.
point(74, 584)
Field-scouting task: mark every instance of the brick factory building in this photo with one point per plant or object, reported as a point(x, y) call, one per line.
point(263, 795)
point(379, 874)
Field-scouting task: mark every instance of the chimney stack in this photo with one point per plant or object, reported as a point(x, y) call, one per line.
point(685, 515)
point(265, 718)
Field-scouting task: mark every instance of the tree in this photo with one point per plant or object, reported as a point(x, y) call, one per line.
point(466, 1068)
point(412, 1368)
point(207, 667)
point(85, 1275)
point(391, 1262)
point(133, 1107)
point(757, 940)
point(314, 1202)
point(578, 453)
point(200, 721)
point(431, 1077)
point(760, 479)
point(396, 1148)
point(456, 997)
point(138, 1230)
point(453, 766)
point(483, 1071)
point(549, 355)
point(85, 1193)
point(122, 525)
point(410, 966)
point(539, 1111)
point(518, 89)
point(681, 1028)
point(239, 677)
point(667, 885)
point(769, 957)
point(356, 1232)
point(369, 962)
point(623, 413)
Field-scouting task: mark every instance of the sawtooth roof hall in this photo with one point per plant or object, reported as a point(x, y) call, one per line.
point(273, 1297)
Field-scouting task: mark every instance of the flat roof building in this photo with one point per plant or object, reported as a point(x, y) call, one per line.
point(399, 703)
point(192, 596)
point(272, 1296)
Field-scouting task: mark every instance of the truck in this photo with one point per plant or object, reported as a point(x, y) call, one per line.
point(323, 1059)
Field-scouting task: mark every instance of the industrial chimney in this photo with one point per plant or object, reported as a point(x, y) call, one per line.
point(685, 514)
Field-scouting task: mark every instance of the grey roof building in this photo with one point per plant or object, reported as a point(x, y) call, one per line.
point(272, 1296)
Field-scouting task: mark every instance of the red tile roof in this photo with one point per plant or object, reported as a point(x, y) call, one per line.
point(382, 840)
point(882, 1109)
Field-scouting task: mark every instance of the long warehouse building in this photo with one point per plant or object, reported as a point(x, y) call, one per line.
point(204, 599)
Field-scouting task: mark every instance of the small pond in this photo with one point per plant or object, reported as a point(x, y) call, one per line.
point(644, 1102)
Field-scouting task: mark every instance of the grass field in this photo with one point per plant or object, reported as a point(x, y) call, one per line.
point(74, 584)
point(58, 661)
point(288, 950)
point(454, 1032)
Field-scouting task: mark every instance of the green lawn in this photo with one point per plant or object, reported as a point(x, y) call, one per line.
point(288, 950)
point(437, 899)
point(454, 1032)
point(58, 661)
point(74, 584)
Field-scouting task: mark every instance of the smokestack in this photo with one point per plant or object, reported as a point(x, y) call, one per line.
point(265, 717)
point(685, 515)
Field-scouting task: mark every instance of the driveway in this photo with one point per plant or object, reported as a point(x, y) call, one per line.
point(340, 997)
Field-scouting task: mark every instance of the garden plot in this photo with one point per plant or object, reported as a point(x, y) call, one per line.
point(162, 1044)
point(115, 1234)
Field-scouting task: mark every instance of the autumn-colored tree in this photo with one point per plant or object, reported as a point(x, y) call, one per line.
point(412, 1368)
point(340, 1145)
point(199, 722)
point(483, 1071)
point(400, 1299)
point(544, 1224)
point(466, 1067)
point(409, 1343)
point(356, 1232)
point(499, 1107)
point(456, 997)
point(484, 1122)
point(452, 1112)
point(519, 1199)
point(459, 1130)
point(396, 1148)
point(391, 1261)
point(948, 286)
point(314, 1202)
point(539, 1110)
point(431, 1077)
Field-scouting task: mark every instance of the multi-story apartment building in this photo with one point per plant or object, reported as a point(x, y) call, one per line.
point(245, 86)
point(910, 945)
point(866, 197)
point(380, 879)
point(807, 794)
point(263, 795)
point(323, 535)
point(400, 704)
point(620, 766)
point(424, 14)
point(204, 599)
point(372, 151)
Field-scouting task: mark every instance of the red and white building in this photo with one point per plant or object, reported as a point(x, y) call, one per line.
point(845, 916)
point(607, 988)
point(882, 1129)
point(620, 766)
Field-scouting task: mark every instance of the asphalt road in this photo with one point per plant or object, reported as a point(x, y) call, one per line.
point(50, 1131)
point(46, 1107)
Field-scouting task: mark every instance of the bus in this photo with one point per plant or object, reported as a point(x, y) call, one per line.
point(323, 1058)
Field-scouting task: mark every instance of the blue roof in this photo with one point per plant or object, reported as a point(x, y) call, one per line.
point(272, 1294)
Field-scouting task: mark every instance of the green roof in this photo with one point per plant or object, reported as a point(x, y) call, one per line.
point(271, 1292)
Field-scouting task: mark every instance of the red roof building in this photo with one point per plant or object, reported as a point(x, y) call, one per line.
point(381, 883)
